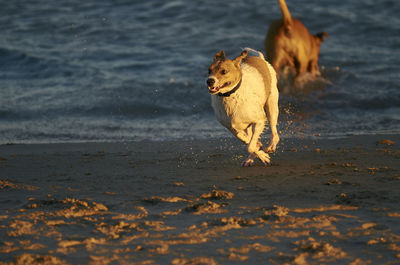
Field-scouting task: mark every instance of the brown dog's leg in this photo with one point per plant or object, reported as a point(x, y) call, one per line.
point(277, 62)
point(301, 67)
point(313, 68)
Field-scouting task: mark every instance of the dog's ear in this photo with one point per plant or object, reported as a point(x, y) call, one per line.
point(321, 36)
point(220, 56)
point(239, 59)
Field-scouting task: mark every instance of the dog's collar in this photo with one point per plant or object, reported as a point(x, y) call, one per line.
point(227, 94)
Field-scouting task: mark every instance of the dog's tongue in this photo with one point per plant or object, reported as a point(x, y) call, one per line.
point(213, 89)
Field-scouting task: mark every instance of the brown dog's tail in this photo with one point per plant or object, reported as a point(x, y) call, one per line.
point(287, 18)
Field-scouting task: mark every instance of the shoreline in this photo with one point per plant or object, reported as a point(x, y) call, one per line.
point(332, 201)
point(228, 136)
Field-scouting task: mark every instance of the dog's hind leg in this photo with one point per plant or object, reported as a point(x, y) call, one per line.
point(313, 68)
point(300, 66)
point(277, 62)
point(272, 112)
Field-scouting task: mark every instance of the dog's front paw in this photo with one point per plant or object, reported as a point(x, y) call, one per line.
point(248, 162)
point(264, 157)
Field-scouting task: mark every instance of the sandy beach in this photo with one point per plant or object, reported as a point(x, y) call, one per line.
point(319, 202)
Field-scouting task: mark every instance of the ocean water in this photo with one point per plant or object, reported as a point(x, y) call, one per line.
point(129, 70)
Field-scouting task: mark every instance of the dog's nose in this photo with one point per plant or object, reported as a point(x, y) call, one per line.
point(210, 82)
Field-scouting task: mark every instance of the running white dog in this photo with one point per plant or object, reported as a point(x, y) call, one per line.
point(242, 90)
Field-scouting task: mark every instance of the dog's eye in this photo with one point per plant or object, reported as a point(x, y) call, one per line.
point(223, 71)
point(209, 71)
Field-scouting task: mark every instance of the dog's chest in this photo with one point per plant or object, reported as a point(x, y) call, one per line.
point(239, 110)
point(226, 110)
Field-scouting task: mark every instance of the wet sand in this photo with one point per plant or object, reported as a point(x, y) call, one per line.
point(320, 202)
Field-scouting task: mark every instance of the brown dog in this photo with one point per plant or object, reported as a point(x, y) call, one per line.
point(289, 43)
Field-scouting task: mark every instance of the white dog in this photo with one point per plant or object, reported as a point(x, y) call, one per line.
point(241, 90)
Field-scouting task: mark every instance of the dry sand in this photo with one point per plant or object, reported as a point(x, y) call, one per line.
point(320, 202)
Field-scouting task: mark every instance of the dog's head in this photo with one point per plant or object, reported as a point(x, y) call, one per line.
point(224, 74)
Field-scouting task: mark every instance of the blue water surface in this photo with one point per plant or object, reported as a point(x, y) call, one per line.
point(135, 70)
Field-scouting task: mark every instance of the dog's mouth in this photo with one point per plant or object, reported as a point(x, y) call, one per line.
point(214, 90)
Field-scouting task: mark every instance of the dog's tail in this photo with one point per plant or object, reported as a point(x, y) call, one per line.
point(287, 18)
point(260, 54)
